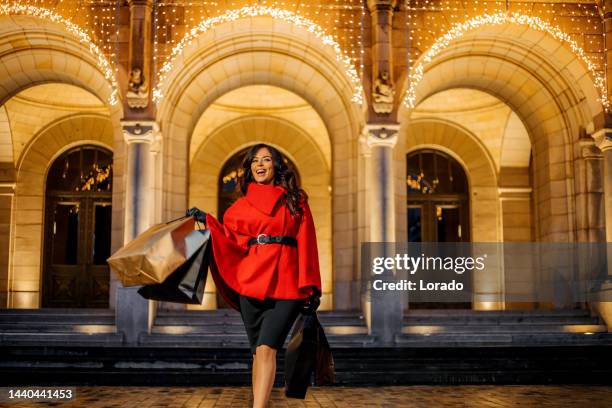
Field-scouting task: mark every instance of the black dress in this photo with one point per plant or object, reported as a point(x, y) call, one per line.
point(268, 321)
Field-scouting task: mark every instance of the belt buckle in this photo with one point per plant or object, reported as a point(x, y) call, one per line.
point(260, 242)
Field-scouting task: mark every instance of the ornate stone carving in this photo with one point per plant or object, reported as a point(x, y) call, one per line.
point(383, 94)
point(603, 139)
point(381, 4)
point(140, 132)
point(380, 135)
point(138, 91)
point(588, 149)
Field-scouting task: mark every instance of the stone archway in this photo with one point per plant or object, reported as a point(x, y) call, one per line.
point(288, 57)
point(39, 51)
point(548, 88)
point(485, 210)
point(44, 50)
point(478, 165)
point(25, 277)
point(522, 43)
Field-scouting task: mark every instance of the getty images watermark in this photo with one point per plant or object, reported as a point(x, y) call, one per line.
point(404, 262)
point(562, 273)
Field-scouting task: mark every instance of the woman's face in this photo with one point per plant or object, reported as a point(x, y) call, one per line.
point(262, 166)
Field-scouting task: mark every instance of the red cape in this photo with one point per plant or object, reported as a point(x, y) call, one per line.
point(269, 270)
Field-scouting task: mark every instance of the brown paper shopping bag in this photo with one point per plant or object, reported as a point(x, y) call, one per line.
point(153, 255)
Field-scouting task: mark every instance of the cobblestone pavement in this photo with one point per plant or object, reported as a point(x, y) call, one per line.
point(353, 397)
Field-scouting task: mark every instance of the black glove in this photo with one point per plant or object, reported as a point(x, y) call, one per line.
point(311, 304)
point(197, 213)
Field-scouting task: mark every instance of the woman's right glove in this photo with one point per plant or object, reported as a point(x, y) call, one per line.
point(311, 304)
point(197, 213)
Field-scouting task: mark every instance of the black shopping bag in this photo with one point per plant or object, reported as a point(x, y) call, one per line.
point(300, 357)
point(186, 284)
point(324, 372)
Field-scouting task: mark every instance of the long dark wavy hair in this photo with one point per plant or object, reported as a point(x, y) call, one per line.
point(283, 176)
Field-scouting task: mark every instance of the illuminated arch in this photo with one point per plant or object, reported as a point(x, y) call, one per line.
point(102, 63)
point(459, 30)
point(254, 11)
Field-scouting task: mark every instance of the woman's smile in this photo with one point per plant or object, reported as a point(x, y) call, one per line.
point(262, 166)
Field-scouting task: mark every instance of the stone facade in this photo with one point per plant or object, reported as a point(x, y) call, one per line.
point(515, 105)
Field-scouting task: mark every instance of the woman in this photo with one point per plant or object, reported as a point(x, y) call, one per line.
point(266, 259)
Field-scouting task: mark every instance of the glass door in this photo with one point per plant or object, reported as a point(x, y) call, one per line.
point(77, 233)
point(63, 263)
point(437, 206)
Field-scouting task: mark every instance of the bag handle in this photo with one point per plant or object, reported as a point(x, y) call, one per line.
point(199, 226)
point(187, 216)
point(179, 218)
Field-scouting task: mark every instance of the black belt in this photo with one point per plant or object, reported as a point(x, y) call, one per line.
point(269, 239)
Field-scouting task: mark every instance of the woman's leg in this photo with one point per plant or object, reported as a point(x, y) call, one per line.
point(266, 372)
point(253, 374)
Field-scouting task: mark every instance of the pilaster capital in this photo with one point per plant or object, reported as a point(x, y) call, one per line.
point(140, 131)
point(603, 139)
point(146, 3)
point(380, 135)
point(381, 5)
point(588, 149)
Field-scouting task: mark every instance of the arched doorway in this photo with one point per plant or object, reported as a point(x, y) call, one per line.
point(437, 193)
point(438, 207)
point(229, 189)
point(77, 235)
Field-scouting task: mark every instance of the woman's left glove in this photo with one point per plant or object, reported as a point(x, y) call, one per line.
point(312, 303)
point(197, 213)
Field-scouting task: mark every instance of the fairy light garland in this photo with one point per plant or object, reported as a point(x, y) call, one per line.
point(460, 29)
point(102, 63)
point(254, 11)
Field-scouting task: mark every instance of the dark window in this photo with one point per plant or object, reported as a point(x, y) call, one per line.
point(86, 168)
point(433, 172)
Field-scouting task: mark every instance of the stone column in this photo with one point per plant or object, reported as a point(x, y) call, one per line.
point(594, 223)
point(383, 89)
point(603, 140)
point(137, 86)
point(383, 309)
point(134, 314)
point(381, 139)
point(7, 200)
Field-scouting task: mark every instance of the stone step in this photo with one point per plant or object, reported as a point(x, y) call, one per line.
point(502, 339)
point(77, 316)
point(220, 329)
point(32, 338)
point(232, 312)
point(189, 365)
point(504, 328)
point(193, 318)
point(214, 320)
point(475, 321)
point(56, 328)
point(338, 313)
point(240, 340)
point(485, 313)
point(58, 310)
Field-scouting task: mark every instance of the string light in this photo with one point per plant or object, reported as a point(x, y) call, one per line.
point(460, 29)
point(102, 63)
point(254, 11)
